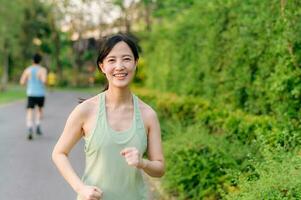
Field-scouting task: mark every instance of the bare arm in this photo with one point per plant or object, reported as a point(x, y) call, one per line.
point(154, 166)
point(71, 135)
point(24, 77)
point(43, 75)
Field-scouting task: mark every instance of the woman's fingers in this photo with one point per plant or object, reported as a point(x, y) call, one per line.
point(131, 155)
point(98, 190)
point(127, 150)
point(97, 193)
point(91, 193)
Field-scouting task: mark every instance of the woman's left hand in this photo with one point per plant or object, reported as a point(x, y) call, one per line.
point(132, 157)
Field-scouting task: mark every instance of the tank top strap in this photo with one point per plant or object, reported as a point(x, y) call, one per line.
point(138, 117)
point(99, 123)
point(101, 104)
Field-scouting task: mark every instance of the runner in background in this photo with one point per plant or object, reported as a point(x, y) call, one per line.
point(34, 77)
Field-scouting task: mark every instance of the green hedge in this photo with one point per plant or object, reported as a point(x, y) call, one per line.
point(240, 61)
point(198, 164)
point(208, 147)
point(245, 54)
point(218, 119)
point(280, 179)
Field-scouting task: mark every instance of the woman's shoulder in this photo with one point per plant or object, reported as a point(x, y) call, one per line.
point(146, 110)
point(87, 106)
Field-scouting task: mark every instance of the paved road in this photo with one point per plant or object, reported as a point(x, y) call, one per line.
point(26, 169)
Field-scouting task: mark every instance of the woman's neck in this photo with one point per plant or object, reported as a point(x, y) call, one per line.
point(118, 97)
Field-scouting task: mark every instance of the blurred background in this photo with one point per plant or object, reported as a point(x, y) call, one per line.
point(223, 75)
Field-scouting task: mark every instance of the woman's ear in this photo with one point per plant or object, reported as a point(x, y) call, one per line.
point(136, 63)
point(100, 66)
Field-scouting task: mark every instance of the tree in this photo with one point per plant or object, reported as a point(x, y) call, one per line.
point(35, 29)
point(148, 7)
point(10, 25)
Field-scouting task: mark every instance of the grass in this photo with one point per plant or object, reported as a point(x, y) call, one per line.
point(15, 92)
point(12, 93)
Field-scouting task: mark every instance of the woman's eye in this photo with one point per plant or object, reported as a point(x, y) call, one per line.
point(111, 60)
point(127, 59)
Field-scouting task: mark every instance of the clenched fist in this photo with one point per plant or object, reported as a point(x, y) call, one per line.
point(133, 157)
point(90, 193)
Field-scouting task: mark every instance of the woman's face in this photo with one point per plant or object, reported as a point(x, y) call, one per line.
point(119, 65)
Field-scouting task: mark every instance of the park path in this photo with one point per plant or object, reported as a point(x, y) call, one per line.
point(26, 169)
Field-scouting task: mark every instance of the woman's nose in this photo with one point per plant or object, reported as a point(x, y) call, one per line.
point(119, 65)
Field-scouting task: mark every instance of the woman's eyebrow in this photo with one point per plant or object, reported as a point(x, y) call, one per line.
point(110, 57)
point(127, 55)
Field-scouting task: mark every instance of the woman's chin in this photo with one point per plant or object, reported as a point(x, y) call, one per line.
point(120, 84)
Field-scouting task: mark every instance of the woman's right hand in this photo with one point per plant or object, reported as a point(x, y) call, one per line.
point(90, 193)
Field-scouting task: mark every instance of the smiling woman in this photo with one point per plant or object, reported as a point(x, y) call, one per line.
point(118, 128)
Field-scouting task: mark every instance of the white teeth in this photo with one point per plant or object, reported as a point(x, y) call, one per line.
point(119, 75)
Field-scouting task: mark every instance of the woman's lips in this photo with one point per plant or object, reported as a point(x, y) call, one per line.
point(120, 75)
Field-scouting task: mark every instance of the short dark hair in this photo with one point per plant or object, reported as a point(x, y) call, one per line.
point(109, 42)
point(37, 58)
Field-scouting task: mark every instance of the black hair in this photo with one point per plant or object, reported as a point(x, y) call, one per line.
point(109, 42)
point(37, 58)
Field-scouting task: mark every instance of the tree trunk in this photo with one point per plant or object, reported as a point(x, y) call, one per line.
point(148, 17)
point(127, 22)
point(57, 55)
point(78, 49)
point(57, 48)
point(4, 78)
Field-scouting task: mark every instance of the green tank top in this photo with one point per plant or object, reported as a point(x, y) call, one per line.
point(105, 167)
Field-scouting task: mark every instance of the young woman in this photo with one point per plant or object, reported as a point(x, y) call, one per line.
point(118, 128)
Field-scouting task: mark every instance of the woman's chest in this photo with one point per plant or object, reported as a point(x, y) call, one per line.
point(120, 119)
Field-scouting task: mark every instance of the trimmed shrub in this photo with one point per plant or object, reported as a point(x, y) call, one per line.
point(198, 163)
point(279, 178)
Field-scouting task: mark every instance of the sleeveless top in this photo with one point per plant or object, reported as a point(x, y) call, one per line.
point(35, 87)
point(105, 167)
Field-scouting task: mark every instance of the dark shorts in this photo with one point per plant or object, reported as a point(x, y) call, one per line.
point(35, 101)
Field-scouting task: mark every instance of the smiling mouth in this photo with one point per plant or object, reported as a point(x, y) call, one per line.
point(120, 75)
